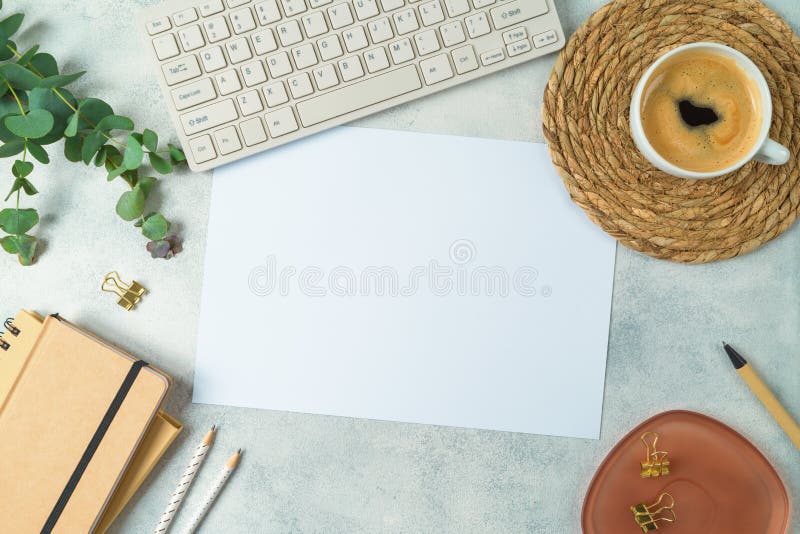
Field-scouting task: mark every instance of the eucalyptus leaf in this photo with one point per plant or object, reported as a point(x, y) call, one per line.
point(72, 126)
point(150, 140)
point(133, 154)
point(115, 172)
point(24, 246)
point(25, 58)
point(114, 122)
point(161, 165)
point(18, 221)
point(10, 25)
point(25, 185)
point(131, 204)
point(18, 76)
point(41, 98)
point(38, 152)
point(37, 123)
point(100, 158)
point(21, 169)
point(91, 144)
point(60, 80)
point(72, 149)
point(93, 110)
point(176, 154)
point(5, 134)
point(155, 227)
point(45, 65)
point(147, 185)
point(7, 51)
point(12, 148)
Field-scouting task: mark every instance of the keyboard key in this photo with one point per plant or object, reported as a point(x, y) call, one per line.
point(202, 149)
point(464, 59)
point(391, 5)
point(195, 93)
point(281, 122)
point(293, 7)
point(166, 47)
point(237, 3)
point(181, 70)
point(456, 7)
point(157, 26)
point(520, 47)
point(436, 69)
point(314, 24)
point(431, 13)
point(304, 56)
point(267, 12)
point(279, 64)
point(405, 21)
point(242, 21)
point(544, 39)
point(212, 7)
point(452, 33)
point(380, 30)
point(213, 59)
point(512, 13)
point(249, 103)
point(216, 29)
point(185, 17)
point(238, 50)
point(253, 132)
point(359, 95)
point(329, 48)
point(351, 68)
point(325, 77)
point(227, 140)
point(289, 33)
point(191, 38)
point(253, 73)
point(482, 3)
point(300, 85)
point(340, 16)
point(209, 117)
point(355, 39)
point(228, 82)
point(275, 94)
point(492, 56)
point(264, 42)
point(517, 34)
point(401, 51)
point(426, 42)
point(376, 59)
point(477, 25)
point(365, 9)
point(319, 3)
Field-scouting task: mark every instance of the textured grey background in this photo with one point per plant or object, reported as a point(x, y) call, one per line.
point(305, 473)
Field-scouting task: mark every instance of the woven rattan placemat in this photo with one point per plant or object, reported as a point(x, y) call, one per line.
point(586, 124)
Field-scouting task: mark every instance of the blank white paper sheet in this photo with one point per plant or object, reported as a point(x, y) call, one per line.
point(405, 277)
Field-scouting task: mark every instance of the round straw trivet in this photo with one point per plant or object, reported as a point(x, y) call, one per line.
point(586, 125)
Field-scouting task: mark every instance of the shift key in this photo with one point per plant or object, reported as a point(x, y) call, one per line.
point(511, 13)
point(208, 117)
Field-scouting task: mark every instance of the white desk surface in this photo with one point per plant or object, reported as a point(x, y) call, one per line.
point(306, 473)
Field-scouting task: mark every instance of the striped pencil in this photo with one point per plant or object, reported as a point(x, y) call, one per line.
point(209, 499)
point(185, 482)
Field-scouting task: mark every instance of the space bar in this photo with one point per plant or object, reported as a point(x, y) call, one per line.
point(359, 95)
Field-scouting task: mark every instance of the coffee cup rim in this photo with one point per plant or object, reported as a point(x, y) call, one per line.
point(750, 69)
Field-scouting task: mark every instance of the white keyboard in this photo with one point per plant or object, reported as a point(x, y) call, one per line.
point(245, 76)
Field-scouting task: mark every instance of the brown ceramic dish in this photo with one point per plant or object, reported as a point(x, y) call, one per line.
point(721, 483)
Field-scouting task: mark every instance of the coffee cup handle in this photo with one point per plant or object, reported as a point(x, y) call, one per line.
point(773, 153)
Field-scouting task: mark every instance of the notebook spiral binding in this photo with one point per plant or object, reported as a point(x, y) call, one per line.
point(13, 330)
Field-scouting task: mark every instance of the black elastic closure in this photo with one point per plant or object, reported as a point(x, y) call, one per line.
point(91, 448)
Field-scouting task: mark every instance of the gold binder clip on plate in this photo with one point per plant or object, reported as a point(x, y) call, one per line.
point(129, 294)
point(655, 463)
point(648, 517)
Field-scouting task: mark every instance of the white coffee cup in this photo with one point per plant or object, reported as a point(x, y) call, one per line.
point(764, 149)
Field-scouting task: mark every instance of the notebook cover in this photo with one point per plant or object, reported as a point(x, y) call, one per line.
point(53, 410)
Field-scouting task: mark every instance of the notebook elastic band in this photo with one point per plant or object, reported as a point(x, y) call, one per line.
point(94, 443)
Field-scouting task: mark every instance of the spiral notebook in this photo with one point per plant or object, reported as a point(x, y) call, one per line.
point(85, 426)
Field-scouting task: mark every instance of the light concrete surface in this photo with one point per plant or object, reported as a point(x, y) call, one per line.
point(304, 473)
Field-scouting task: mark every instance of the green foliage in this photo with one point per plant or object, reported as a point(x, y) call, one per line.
point(36, 110)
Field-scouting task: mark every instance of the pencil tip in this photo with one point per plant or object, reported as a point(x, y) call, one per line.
point(737, 359)
point(213, 428)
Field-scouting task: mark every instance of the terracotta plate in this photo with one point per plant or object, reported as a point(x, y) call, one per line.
point(721, 483)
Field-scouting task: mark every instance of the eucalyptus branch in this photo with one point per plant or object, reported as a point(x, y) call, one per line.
point(41, 111)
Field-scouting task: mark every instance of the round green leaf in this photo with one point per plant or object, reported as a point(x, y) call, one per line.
point(161, 165)
point(37, 123)
point(38, 152)
point(21, 169)
point(133, 154)
point(155, 227)
point(131, 204)
point(20, 77)
point(14, 221)
point(150, 140)
point(10, 25)
point(114, 122)
point(45, 64)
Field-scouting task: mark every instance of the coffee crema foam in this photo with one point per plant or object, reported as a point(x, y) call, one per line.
point(713, 93)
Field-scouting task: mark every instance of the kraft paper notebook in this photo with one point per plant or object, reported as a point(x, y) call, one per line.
point(81, 450)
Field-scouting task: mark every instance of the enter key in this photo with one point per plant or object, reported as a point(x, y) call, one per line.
point(511, 13)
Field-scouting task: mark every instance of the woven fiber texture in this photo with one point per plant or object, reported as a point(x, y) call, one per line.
point(586, 111)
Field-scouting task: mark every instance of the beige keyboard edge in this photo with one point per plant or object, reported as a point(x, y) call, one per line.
point(223, 128)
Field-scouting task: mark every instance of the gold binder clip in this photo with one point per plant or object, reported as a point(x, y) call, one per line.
point(655, 463)
point(648, 517)
point(129, 294)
